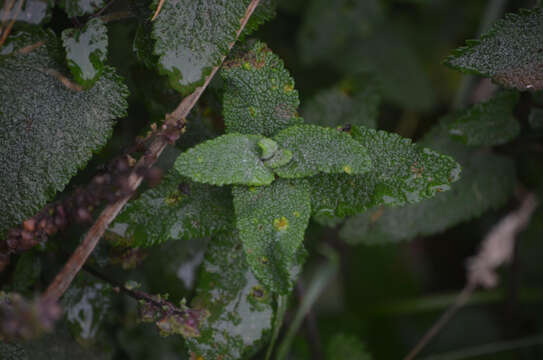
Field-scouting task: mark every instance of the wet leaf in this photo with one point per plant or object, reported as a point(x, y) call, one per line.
point(271, 221)
point(193, 35)
point(50, 131)
point(402, 173)
point(487, 182)
point(228, 159)
point(240, 308)
point(75, 8)
point(318, 149)
point(176, 209)
point(487, 124)
point(511, 53)
point(86, 51)
point(351, 102)
point(259, 95)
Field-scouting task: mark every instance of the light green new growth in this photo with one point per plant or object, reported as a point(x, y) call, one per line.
point(318, 149)
point(511, 53)
point(193, 35)
point(175, 209)
point(402, 173)
point(241, 309)
point(227, 159)
point(49, 130)
point(487, 124)
point(86, 51)
point(271, 221)
point(259, 95)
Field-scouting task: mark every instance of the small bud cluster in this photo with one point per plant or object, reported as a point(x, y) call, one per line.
point(23, 319)
point(108, 186)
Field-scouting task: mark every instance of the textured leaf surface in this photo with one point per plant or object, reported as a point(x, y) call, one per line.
point(344, 346)
point(75, 8)
point(343, 104)
point(402, 173)
point(259, 95)
point(487, 182)
point(487, 124)
point(228, 159)
point(265, 11)
point(193, 35)
point(86, 51)
point(176, 209)
point(318, 149)
point(32, 12)
point(240, 308)
point(271, 221)
point(49, 131)
point(511, 53)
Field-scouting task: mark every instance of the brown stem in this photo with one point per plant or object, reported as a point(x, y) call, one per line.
point(7, 30)
point(174, 120)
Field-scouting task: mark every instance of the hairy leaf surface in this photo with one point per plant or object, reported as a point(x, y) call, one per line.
point(271, 221)
point(49, 131)
point(259, 95)
point(86, 51)
point(487, 182)
point(346, 103)
point(176, 209)
point(240, 308)
point(318, 149)
point(193, 35)
point(487, 124)
point(511, 53)
point(228, 159)
point(402, 173)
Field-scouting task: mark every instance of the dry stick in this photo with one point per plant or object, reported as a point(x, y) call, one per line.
point(64, 278)
point(7, 30)
point(160, 4)
point(497, 248)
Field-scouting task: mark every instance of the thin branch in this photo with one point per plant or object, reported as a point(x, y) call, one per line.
point(310, 325)
point(7, 30)
point(158, 8)
point(497, 249)
point(173, 127)
point(63, 79)
point(115, 16)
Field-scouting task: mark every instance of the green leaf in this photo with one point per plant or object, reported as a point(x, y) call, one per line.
point(487, 182)
point(402, 173)
point(318, 149)
point(27, 272)
point(265, 11)
point(511, 53)
point(86, 304)
point(259, 95)
point(271, 221)
point(32, 12)
point(75, 8)
point(192, 36)
point(49, 131)
point(175, 209)
point(487, 124)
point(86, 51)
point(345, 346)
point(351, 102)
point(227, 159)
point(240, 308)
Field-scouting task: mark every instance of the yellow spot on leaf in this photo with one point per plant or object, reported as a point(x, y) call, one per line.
point(247, 66)
point(347, 169)
point(288, 88)
point(199, 159)
point(281, 224)
point(296, 213)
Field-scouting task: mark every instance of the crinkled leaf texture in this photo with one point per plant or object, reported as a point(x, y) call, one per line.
point(49, 131)
point(353, 102)
point(511, 53)
point(487, 182)
point(241, 309)
point(402, 173)
point(259, 95)
point(271, 221)
point(86, 51)
point(487, 124)
point(175, 209)
point(319, 149)
point(192, 36)
point(228, 159)
point(75, 8)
